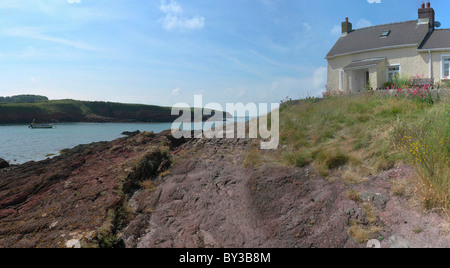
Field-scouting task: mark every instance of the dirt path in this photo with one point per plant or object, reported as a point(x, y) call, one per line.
point(211, 200)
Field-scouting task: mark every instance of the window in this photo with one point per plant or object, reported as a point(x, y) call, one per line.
point(393, 72)
point(386, 33)
point(445, 67)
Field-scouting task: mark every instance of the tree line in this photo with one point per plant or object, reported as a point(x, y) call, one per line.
point(23, 99)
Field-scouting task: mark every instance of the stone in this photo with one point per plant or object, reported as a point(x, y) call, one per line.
point(377, 199)
point(131, 133)
point(53, 225)
point(3, 163)
point(74, 243)
point(350, 211)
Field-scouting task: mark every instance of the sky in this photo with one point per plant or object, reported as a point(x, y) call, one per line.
point(163, 52)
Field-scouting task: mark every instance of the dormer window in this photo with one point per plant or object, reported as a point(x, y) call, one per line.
point(385, 33)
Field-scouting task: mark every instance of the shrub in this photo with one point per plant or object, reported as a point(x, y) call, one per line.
point(336, 158)
point(333, 93)
point(359, 233)
point(405, 81)
point(388, 85)
point(303, 159)
point(353, 195)
point(446, 84)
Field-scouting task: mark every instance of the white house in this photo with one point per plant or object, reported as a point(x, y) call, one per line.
point(375, 55)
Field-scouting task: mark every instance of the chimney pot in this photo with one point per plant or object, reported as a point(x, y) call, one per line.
point(423, 5)
point(427, 14)
point(346, 19)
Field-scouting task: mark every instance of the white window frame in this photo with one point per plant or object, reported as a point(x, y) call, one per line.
point(393, 65)
point(442, 66)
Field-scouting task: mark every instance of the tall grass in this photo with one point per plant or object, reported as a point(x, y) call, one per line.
point(425, 143)
point(362, 134)
point(334, 129)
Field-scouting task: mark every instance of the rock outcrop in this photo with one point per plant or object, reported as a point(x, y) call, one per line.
point(150, 190)
point(79, 195)
point(3, 163)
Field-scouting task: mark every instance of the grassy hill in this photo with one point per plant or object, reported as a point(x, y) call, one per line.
point(82, 111)
point(356, 137)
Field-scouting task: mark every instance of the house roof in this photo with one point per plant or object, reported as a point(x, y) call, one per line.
point(364, 63)
point(439, 39)
point(408, 33)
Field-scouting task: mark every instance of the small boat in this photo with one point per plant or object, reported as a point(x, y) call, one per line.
point(33, 125)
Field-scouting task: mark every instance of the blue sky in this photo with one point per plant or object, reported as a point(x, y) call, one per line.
point(164, 52)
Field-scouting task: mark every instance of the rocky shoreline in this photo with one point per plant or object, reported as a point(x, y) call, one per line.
point(151, 190)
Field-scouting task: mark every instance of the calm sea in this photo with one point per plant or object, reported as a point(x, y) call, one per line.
point(20, 144)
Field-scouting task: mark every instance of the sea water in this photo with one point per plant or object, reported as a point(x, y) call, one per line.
point(20, 144)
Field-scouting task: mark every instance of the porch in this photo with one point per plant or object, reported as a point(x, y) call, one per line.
point(363, 74)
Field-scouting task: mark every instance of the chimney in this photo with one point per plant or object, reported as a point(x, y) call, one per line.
point(427, 15)
point(346, 27)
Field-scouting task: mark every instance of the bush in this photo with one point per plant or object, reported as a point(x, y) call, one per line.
point(147, 168)
point(303, 159)
point(388, 85)
point(336, 159)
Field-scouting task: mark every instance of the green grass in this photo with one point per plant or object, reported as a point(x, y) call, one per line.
point(326, 133)
point(360, 133)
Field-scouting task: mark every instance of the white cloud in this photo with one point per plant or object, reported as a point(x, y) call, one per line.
point(363, 23)
point(336, 30)
point(294, 87)
point(320, 78)
point(374, 1)
point(171, 22)
point(173, 7)
point(177, 91)
point(74, 1)
point(306, 26)
point(34, 33)
point(174, 19)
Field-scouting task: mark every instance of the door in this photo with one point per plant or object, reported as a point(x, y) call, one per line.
point(367, 84)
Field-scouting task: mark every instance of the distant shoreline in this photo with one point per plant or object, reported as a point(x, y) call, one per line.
point(73, 111)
